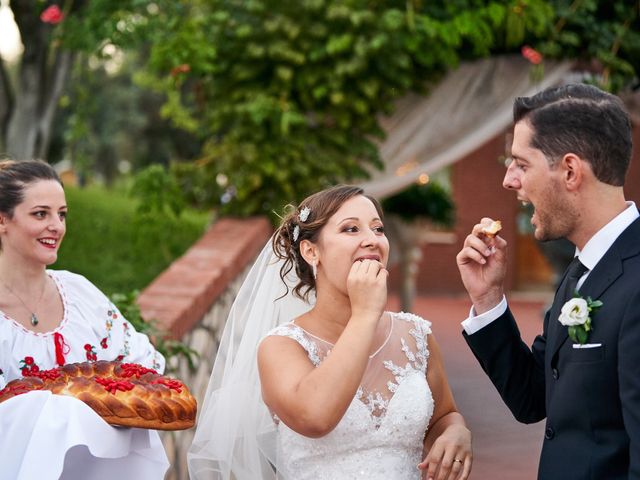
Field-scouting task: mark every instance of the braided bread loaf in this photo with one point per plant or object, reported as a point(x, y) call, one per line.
point(124, 394)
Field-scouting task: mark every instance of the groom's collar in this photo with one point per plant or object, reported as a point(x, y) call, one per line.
point(600, 243)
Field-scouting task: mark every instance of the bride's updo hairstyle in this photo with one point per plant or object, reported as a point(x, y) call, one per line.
point(16, 176)
point(305, 223)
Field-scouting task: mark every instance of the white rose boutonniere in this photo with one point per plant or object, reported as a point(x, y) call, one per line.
point(575, 314)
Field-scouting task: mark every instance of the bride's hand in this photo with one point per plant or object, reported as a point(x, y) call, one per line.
point(450, 456)
point(367, 288)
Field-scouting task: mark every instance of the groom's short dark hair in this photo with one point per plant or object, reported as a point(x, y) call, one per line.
point(580, 119)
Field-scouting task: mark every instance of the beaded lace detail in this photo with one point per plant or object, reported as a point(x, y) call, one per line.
point(291, 330)
point(381, 434)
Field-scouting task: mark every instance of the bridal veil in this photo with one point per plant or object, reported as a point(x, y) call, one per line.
point(236, 436)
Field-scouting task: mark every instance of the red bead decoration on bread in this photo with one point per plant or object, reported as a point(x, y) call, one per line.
point(124, 394)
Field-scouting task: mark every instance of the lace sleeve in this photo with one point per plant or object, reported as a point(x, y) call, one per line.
point(420, 329)
point(294, 332)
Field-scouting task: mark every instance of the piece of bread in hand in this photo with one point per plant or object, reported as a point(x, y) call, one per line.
point(492, 229)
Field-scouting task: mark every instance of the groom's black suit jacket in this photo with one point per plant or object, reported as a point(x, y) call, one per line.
point(590, 397)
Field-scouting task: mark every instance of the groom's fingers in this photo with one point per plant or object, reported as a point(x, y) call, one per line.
point(474, 251)
point(475, 254)
point(479, 232)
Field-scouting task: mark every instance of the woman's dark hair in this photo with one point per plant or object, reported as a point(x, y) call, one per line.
point(583, 120)
point(16, 176)
point(320, 207)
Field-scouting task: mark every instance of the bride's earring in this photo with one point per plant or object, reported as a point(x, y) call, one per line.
point(314, 267)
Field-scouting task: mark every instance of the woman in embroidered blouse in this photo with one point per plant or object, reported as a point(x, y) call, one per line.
point(354, 391)
point(48, 317)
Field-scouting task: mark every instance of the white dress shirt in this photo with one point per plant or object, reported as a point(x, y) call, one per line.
point(590, 255)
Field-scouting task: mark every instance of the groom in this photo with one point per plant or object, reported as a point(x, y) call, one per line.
point(570, 154)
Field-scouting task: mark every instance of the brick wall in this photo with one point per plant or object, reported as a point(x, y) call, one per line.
point(181, 295)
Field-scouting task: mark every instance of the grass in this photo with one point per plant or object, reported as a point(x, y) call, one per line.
point(117, 249)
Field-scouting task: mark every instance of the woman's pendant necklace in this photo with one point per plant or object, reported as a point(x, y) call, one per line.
point(34, 318)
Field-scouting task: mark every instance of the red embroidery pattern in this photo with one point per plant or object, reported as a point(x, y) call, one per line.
point(112, 386)
point(131, 369)
point(91, 352)
point(173, 384)
point(103, 343)
point(28, 366)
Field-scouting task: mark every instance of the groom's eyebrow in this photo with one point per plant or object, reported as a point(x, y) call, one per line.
point(520, 159)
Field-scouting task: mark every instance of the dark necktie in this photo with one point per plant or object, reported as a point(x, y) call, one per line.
point(568, 286)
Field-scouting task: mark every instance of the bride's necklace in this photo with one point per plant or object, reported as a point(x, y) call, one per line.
point(34, 317)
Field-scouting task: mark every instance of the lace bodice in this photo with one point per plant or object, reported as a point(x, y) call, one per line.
point(380, 436)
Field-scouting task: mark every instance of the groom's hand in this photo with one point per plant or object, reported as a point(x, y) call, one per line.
point(483, 265)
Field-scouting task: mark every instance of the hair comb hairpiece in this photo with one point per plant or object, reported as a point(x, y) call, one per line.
point(304, 214)
point(296, 233)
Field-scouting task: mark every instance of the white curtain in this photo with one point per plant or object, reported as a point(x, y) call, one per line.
point(468, 107)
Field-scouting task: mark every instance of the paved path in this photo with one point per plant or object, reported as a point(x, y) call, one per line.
point(503, 448)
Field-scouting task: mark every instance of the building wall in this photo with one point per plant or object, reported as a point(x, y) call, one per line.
point(478, 192)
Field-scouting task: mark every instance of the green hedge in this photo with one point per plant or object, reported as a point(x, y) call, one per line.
point(118, 249)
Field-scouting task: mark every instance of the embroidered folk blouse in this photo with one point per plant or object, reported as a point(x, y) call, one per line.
point(92, 329)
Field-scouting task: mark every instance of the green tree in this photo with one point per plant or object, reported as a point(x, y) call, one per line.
point(603, 35)
point(286, 96)
point(53, 34)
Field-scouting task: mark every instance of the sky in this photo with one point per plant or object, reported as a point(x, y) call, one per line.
point(10, 43)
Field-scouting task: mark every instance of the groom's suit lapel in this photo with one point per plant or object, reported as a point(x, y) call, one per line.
point(608, 269)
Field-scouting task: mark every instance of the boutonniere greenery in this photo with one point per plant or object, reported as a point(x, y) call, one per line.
point(576, 314)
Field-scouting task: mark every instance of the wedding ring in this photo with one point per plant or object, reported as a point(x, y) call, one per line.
point(458, 460)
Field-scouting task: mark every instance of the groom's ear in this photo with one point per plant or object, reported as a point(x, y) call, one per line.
point(309, 251)
point(573, 170)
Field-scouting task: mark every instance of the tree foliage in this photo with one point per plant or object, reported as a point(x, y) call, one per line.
point(28, 104)
point(431, 201)
point(603, 35)
point(286, 96)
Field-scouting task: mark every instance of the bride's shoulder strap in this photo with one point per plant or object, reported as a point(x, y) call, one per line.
point(422, 325)
point(294, 332)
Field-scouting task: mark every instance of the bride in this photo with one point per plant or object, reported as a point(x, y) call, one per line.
point(313, 378)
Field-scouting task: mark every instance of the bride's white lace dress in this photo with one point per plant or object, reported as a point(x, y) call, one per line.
point(381, 434)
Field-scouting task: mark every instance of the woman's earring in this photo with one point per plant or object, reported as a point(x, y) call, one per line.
point(314, 267)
